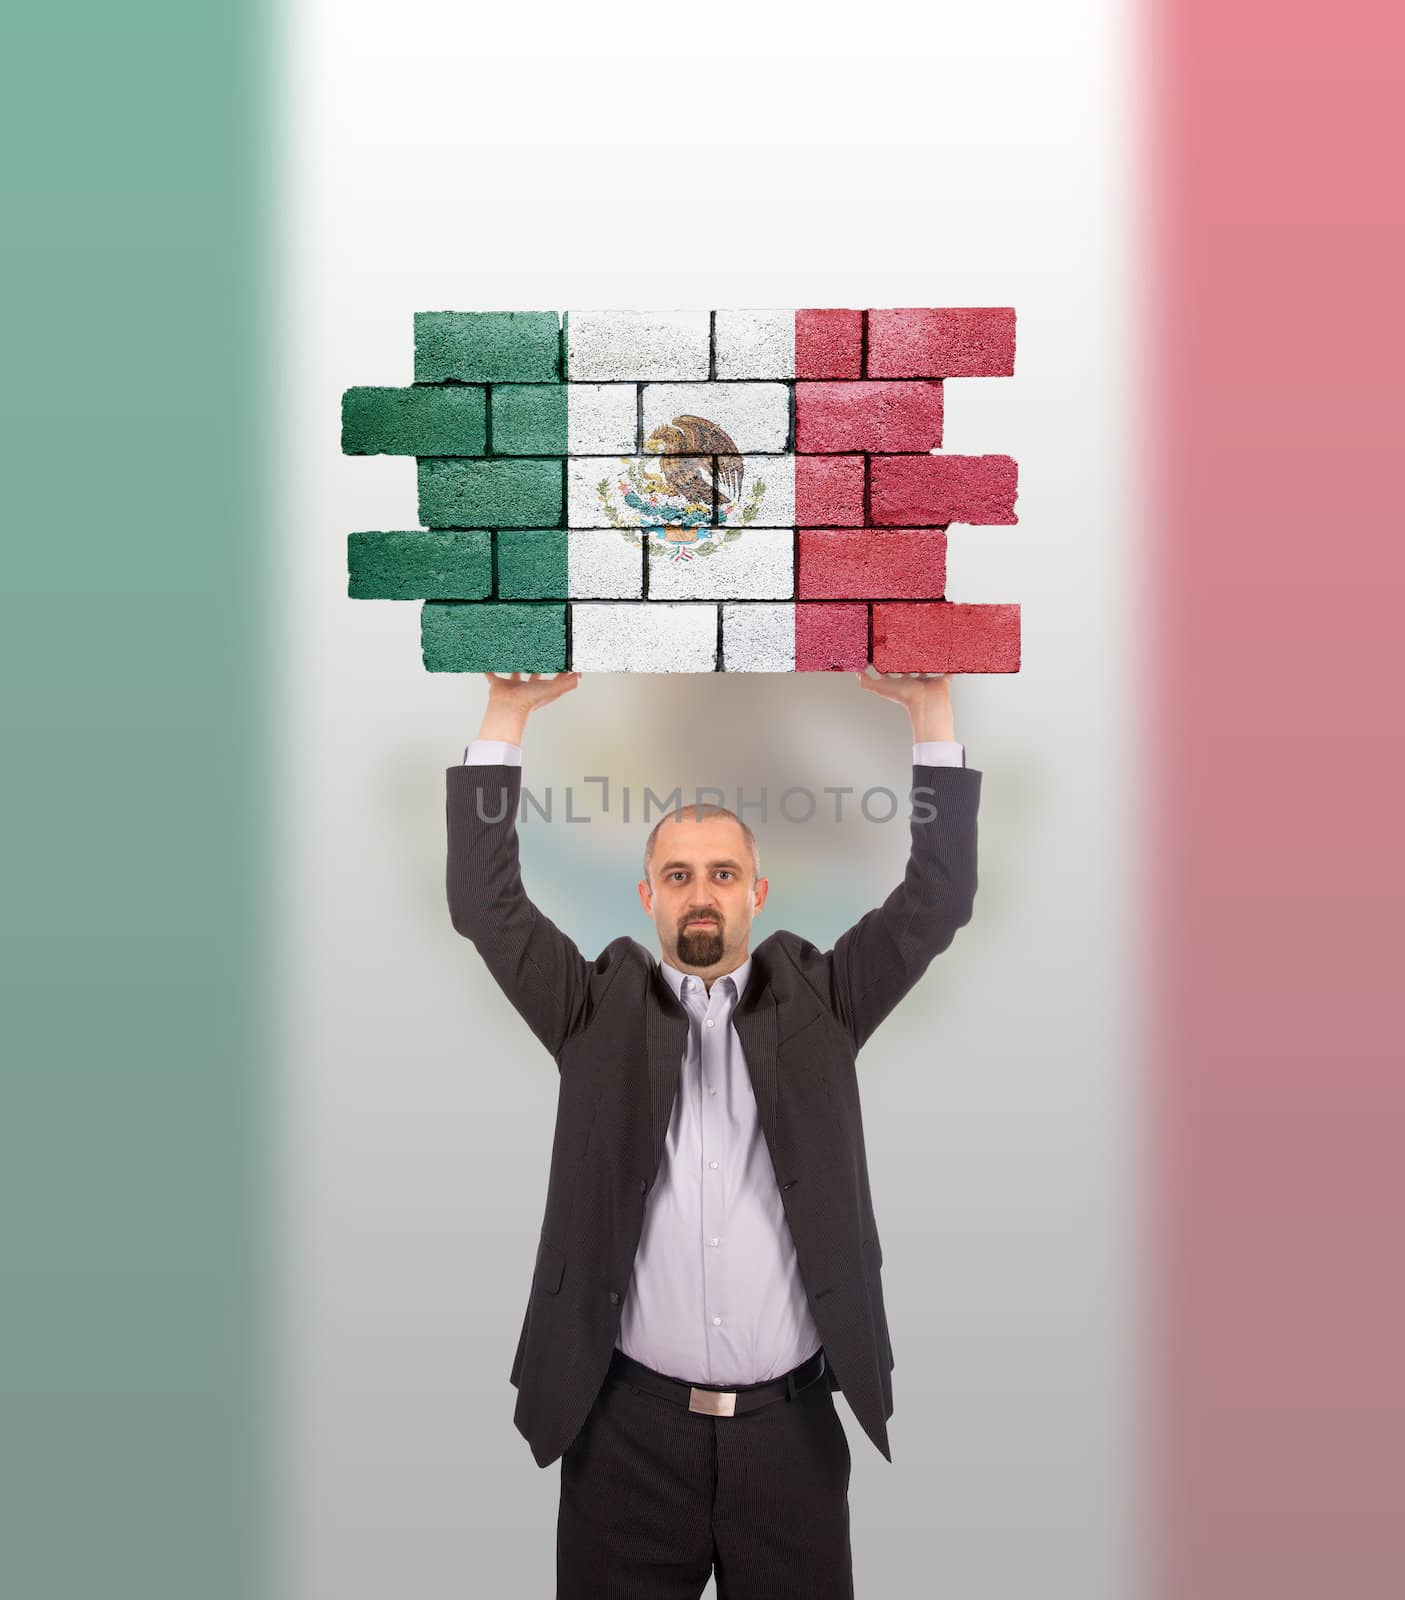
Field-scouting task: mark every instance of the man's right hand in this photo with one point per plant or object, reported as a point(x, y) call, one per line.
point(513, 696)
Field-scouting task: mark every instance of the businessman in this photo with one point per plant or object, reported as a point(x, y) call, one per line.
point(708, 1270)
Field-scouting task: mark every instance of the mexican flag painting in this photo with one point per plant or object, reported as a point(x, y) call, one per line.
point(730, 490)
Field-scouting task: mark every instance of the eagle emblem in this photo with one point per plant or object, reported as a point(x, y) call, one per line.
point(689, 498)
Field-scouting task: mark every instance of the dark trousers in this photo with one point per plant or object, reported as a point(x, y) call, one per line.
point(654, 1496)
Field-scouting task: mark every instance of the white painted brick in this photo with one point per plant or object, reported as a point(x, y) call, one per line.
point(584, 474)
point(758, 565)
point(643, 638)
point(601, 564)
point(755, 344)
point(755, 415)
point(602, 417)
point(758, 637)
point(776, 508)
point(637, 344)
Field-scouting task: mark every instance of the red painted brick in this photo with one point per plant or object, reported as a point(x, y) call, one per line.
point(829, 491)
point(868, 416)
point(985, 639)
point(831, 638)
point(968, 342)
point(828, 344)
point(941, 637)
point(861, 563)
point(928, 491)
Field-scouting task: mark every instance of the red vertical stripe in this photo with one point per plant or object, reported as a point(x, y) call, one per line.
point(1274, 743)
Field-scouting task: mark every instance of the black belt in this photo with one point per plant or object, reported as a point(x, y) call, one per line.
point(711, 1399)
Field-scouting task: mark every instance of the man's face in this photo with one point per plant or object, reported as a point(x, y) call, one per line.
point(701, 893)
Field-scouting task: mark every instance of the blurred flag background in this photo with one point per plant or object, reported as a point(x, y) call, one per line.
point(273, 1148)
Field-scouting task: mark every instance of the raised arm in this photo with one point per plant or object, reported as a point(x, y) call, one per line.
point(537, 966)
point(877, 961)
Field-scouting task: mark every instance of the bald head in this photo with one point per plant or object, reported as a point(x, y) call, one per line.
point(748, 850)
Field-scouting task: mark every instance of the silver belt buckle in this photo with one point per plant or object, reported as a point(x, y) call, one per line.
point(713, 1402)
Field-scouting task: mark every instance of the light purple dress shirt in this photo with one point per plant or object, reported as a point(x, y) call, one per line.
point(716, 1294)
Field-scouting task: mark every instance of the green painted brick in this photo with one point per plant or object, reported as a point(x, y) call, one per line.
point(451, 421)
point(489, 494)
point(455, 565)
point(487, 346)
point(532, 564)
point(529, 419)
point(461, 636)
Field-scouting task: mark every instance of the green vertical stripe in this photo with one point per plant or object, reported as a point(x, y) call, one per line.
point(134, 930)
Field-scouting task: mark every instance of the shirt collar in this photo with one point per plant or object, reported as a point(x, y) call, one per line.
point(738, 976)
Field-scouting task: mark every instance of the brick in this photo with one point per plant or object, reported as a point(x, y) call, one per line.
point(492, 494)
point(532, 564)
point(985, 639)
point(941, 637)
point(603, 345)
point(413, 422)
point(529, 419)
point(829, 491)
point(490, 636)
point(643, 637)
point(487, 346)
point(867, 416)
point(865, 563)
point(927, 491)
point(603, 565)
point(759, 564)
point(419, 566)
point(829, 344)
point(754, 344)
point(589, 505)
point(758, 637)
point(967, 342)
point(755, 416)
point(603, 418)
point(768, 485)
point(831, 636)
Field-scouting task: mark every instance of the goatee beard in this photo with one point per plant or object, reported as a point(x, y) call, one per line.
point(700, 947)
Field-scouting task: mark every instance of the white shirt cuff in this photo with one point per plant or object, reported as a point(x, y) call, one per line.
point(492, 752)
point(938, 753)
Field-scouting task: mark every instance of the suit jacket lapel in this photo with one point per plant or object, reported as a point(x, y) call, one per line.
point(755, 1022)
point(666, 1037)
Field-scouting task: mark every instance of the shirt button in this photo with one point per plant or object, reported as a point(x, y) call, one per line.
point(712, 1163)
point(712, 1091)
point(712, 1241)
point(717, 1322)
point(711, 1023)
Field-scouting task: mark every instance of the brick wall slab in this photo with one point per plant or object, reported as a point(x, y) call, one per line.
point(489, 494)
point(644, 637)
point(492, 637)
point(968, 342)
point(529, 419)
point(931, 491)
point(867, 416)
point(866, 563)
point(414, 422)
point(829, 344)
point(487, 346)
point(414, 565)
point(751, 489)
point(637, 345)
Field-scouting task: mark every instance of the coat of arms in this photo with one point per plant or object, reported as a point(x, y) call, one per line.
point(697, 471)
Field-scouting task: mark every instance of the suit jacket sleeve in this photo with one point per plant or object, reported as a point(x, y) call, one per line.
point(877, 961)
point(536, 965)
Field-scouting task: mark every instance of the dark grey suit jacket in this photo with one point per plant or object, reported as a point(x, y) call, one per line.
point(618, 1033)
